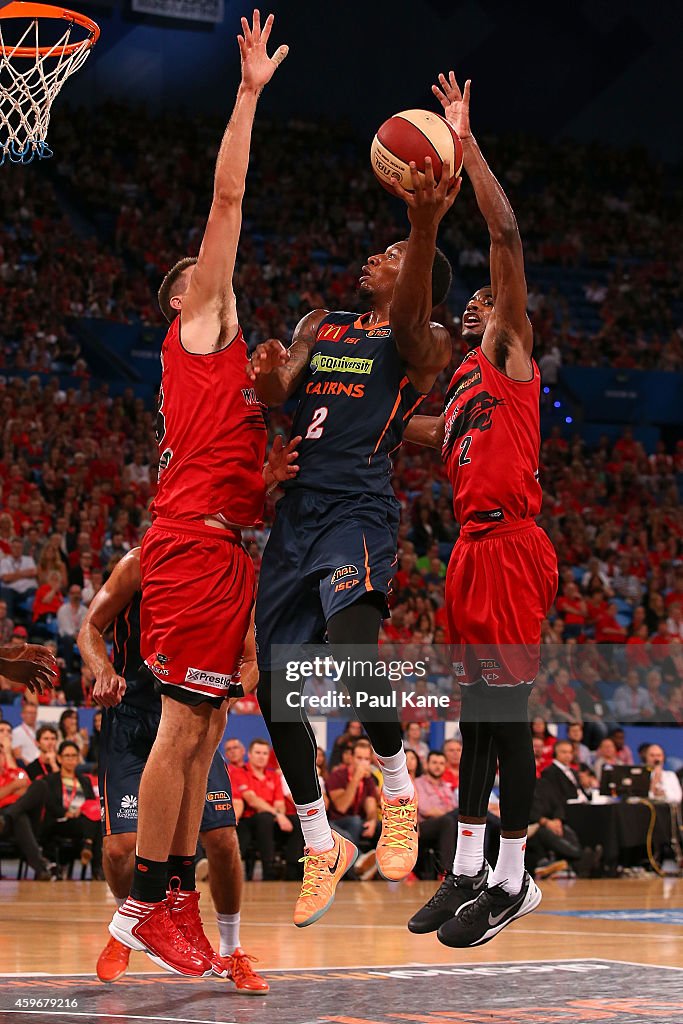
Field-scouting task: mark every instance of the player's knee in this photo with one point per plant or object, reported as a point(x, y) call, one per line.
point(220, 843)
point(118, 851)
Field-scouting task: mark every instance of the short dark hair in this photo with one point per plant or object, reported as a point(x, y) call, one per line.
point(361, 742)
point(442, 276)
point(67, 743)
point(46, 728)
point(258, 742)
point(436, 753)
point(168, 286)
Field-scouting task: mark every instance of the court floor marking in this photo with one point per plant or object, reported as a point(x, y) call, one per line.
point(360, 967)
point(115, 1016)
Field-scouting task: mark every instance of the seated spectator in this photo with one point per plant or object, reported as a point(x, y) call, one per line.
point(664, 785)
point(562, 698)
point(94, 741)
point(24, 746)
point(353, 730)
point(606, 754)
point(412, 737)
point(436, 803)
point(453, 752)
point(46, 762)
point(233, 751)
point(69, 730)
point(264, 810)
point(592, 707)
point(69, 621)
point(540, 730)
point(540, 761)
point(560, 775)
point(52, 808)
point(18, 574)
point(632, 702)
point(624, 752)
point(48, 600)
point(572, 609)
point(6, 624)
point(14, 781)
point(582, 754)
point(353, 796)
point(414, 764)
point(552, 844)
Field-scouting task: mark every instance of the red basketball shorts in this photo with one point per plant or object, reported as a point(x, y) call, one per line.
point(499, 588)
point(197, 596)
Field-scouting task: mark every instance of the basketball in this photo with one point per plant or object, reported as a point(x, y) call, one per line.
point(414, 135)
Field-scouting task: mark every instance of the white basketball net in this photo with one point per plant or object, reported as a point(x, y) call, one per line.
point(28, 86)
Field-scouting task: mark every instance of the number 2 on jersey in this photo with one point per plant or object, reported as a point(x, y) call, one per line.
point(464, 448)
point(315, 429)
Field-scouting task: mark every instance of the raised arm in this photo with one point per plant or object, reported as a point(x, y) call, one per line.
point(276, 381)
point(426, 430)
point(508, 340)
point(209, 311)
point(425, 347)
point(108, 602)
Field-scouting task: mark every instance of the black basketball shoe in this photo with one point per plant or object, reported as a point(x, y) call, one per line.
point(494, 909)
point(454, 891)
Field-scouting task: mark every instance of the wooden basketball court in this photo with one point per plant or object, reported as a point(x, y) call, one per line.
point(581, 957)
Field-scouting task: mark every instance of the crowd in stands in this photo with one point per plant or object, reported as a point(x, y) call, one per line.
point(48, 798)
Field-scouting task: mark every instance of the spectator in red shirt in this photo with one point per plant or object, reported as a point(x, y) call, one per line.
point(573, 610)
point(562, 698)
point(234, 753)
point(540, 730)
point(353, 797)
point(607, 627)
point(48, 599)
point(13, 780)
point(452, 751)
point(264, 815)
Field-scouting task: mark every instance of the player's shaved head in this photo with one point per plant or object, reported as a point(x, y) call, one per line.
point(174, 284)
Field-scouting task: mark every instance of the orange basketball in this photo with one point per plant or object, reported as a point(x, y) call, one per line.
point(414, 135)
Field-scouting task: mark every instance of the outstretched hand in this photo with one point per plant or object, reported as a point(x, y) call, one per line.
point(281, 462)
point(257, 67)
point(429, 202)
point(31, 665)
point(266, 357)
point(456, 104)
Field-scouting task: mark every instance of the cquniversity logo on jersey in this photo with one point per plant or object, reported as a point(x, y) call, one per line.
point(340, 364)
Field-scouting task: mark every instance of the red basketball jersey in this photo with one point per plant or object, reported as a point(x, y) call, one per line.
point(211, 435)
point(491, 444)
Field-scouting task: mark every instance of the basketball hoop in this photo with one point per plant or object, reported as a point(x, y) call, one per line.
point(33, 70)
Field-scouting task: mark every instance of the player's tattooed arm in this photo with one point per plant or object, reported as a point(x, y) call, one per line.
point(425, 347)
point(508, 340)
point(273, 383)
point(426, 430)
point(108, 602)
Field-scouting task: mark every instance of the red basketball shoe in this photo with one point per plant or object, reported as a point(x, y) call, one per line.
point(187, 919)
point(148, 927)
point(244, 976)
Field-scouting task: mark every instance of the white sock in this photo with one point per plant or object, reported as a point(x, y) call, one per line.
point(315, 826)
point(469, 853)
point(229, 931)
point(119, 901)
point(397, 781)
point(509, 871)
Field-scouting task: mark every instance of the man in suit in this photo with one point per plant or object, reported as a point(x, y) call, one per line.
point(551, 841)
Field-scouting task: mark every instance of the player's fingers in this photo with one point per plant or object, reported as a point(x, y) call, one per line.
point(399, 190)
point(441, 96)
point(429, 174)
point(280, 54)
point(265, 31)
point(442, 187)
point(243, 46)
point(454, 85)
point(277, 445)
point(296, 440)
point(415, 176)
point(246, 28)
point(466, 94)
point(251, 374)
point(256, 20)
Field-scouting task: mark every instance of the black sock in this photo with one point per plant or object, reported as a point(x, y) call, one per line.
point(149, 880)
point(182, 868)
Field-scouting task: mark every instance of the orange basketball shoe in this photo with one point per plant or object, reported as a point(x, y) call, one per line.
point(322, 874)
point(397, 847)
point(113, 960)
point(185, 916)
point(242, 974)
